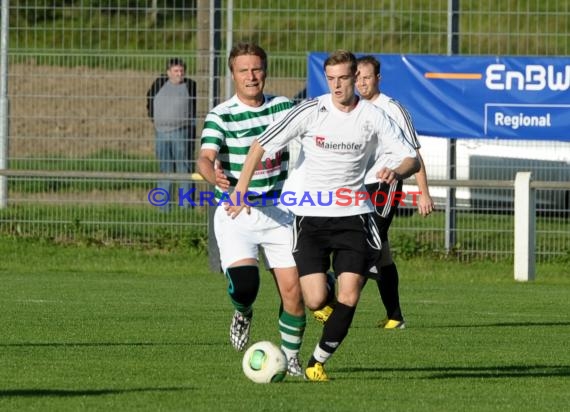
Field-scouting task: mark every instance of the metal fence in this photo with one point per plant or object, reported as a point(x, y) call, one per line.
point(80, 160)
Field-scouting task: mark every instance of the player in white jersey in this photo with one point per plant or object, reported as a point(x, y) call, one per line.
point(388, 196)
point(229, 130)
point(339, 133)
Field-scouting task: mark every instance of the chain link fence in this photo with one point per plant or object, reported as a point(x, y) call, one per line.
point(79, 156)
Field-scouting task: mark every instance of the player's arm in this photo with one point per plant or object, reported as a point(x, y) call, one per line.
point(400, 149)
point(206, 165)
point(222, 180)
point(405, 169)
point(425, 203)
point(404, 120)
point(206, 160)
point(236, 203)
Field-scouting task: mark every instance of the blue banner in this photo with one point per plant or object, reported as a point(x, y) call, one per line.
point(474, 97)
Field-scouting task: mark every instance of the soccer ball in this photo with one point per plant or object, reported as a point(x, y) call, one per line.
point(264, 362)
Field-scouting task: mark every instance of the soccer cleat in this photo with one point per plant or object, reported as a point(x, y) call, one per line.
point(294, 367)
point(322, 315)
point(392, 324)
point(239, 330)
point(316, 373)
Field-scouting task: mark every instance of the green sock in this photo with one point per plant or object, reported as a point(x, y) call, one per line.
point(292, 329)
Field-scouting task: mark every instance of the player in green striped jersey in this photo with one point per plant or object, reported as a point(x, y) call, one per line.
point(229, 130)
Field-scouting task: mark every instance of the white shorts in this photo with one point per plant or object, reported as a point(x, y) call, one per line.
point(270, 227)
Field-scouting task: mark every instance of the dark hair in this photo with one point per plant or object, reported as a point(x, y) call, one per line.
point(339, 57)
point(243, 49)
point(370, 60)
point(175, 61)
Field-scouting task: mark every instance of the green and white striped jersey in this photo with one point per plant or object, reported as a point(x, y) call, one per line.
point(230, 129)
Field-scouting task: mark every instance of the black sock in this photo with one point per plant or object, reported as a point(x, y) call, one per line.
point(312, 362)
point(336, 328)
point(388, 288)
point(243, 286)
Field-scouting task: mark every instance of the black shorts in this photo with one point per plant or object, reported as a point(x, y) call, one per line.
point(385, 199)
point(352, 242)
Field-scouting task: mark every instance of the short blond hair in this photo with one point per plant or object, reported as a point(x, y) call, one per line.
point(339, 57)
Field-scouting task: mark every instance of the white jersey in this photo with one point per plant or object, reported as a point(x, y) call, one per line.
point(400, 115)
point(336, 147)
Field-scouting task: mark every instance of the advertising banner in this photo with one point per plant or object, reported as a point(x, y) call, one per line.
point(473, 96)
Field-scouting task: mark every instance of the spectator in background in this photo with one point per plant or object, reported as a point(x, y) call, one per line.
point(171, 105)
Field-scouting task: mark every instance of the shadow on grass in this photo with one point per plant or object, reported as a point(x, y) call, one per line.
point(97, 344)
point(63, 393)
point(513, 371)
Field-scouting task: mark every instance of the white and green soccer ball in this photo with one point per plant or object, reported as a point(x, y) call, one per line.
point(264, 362)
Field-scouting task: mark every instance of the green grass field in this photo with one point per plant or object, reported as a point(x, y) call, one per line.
point(87, 328)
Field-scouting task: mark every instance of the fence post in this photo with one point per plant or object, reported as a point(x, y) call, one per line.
point(4, 110)
point(525, 233)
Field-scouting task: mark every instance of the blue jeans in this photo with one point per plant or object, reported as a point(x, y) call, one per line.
point(172, 151)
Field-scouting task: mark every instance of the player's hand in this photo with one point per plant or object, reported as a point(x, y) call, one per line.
point(221, 179)
point(236, 204)
point(425, 205)
point(387, 175)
